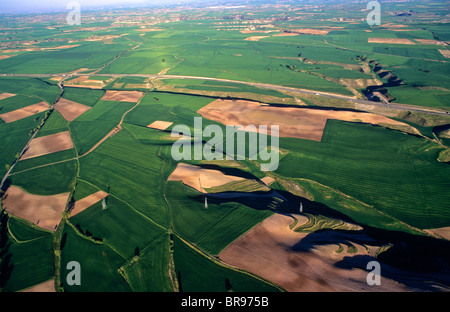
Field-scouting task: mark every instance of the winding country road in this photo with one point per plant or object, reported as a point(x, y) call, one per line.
point(399, 106)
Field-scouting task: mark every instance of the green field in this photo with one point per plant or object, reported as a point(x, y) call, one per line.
point(195, 272)
point(27, 256)
point(154, 235)
point(396, 179)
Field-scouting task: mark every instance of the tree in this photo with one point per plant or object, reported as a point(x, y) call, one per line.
point(228, 286)
point(137, 252)
point(71, 204)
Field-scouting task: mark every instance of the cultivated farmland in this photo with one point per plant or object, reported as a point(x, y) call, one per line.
point(88, 115)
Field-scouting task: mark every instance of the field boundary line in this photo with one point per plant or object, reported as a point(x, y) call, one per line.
point(128, 204)
point(45, 165)
point(226, 265)
point(116, 129)
point(367, 205)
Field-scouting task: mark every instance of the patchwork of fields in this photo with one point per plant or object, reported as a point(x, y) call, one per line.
point(87, 172)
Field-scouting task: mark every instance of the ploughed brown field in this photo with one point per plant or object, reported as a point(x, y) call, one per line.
point(286, 34)
point(70, 110)
point(431, 41)
point(6, 95)
point(84, 82)
point(160, 125)
point(270, 250)
point(24, 112)
point(391, 40)
point(200, 178)
point(255, 38)
point(88, 201)
point(311, 31)
point(445, 53)
point(48, 286)
point(48, 144)
point(43, 211)
point(303, 123)
point(122, 96)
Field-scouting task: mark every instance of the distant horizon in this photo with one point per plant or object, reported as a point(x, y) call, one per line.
point(55, 6)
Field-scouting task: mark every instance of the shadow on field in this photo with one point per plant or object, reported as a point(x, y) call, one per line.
point(420, 263)
point(6, 267)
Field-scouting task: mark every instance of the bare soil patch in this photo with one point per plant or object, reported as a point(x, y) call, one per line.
point(85, 82)
point(85, 86)
point(199, 178)
point(391, 25)
point(105, 38)
point(431, 41)
point(43, 211)
point(445, 53)
point(2, 57)
point(6, 95)
point(360, 83)
point(255, 38)
point(122, 96)
point(268, 180)
point(391, 40)
point(310, 31)
point(150, 29)
point(63, 47)
point(160, 125)
point(70, 110)
point(269, 250)
point(24, 112)
point(443, 232)
point(48, 144)
point(48, 286)
point(84, 203)
point(248, 31)
point(57, 78)
point(286, 34)
point(303, 123)
point(39, 49)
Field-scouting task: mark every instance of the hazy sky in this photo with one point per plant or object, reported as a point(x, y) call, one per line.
point(20, 6)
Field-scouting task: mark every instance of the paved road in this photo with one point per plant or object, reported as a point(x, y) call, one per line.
point(406, 107)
